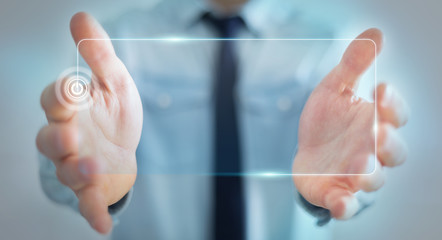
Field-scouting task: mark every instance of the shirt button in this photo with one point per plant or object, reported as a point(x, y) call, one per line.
point(164, 100)
point(284, 103)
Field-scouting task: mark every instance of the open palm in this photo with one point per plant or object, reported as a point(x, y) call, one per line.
point(336, 153)
point(93, 150)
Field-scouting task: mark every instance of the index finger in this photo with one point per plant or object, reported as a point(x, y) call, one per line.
point(55, 110)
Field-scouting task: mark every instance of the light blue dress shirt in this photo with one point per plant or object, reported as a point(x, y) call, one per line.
point(171, 198)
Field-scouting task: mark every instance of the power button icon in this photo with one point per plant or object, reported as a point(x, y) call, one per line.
point(72, 88)
point(77, 89)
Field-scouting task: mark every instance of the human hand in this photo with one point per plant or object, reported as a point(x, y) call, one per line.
point(94, 150)
point(337, 134)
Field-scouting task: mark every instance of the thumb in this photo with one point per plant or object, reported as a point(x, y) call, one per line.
point(341, 203)
point(94, 45)
point(356, 59)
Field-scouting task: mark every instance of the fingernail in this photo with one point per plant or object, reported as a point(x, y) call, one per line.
point(371, 164)
point(388, 94)
point(351, 207)
point(406, 111)
point(388, 145)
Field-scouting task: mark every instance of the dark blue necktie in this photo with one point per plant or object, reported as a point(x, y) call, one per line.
point(228, 215)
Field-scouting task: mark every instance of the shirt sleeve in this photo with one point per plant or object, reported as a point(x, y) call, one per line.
point(63, 195)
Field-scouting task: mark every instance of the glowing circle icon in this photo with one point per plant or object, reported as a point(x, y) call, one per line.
point(76, 88)
point(73, 88)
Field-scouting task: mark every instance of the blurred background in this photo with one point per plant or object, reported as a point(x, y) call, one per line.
point(35, 46)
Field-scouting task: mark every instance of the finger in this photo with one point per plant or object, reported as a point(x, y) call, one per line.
point(52, 105)
point(391, 106)
point(357, 58)
point(94, 45)
point(341, 203)
point(57, 141)
point(94, 208)
point(77, 173)
point(391, 149)
point(374, 179)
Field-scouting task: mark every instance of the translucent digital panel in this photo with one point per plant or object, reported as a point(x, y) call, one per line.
point(299, 108)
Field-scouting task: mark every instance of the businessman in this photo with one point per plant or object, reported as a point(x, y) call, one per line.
point(95, 154)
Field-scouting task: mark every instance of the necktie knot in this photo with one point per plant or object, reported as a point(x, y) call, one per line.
point(226, 27)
